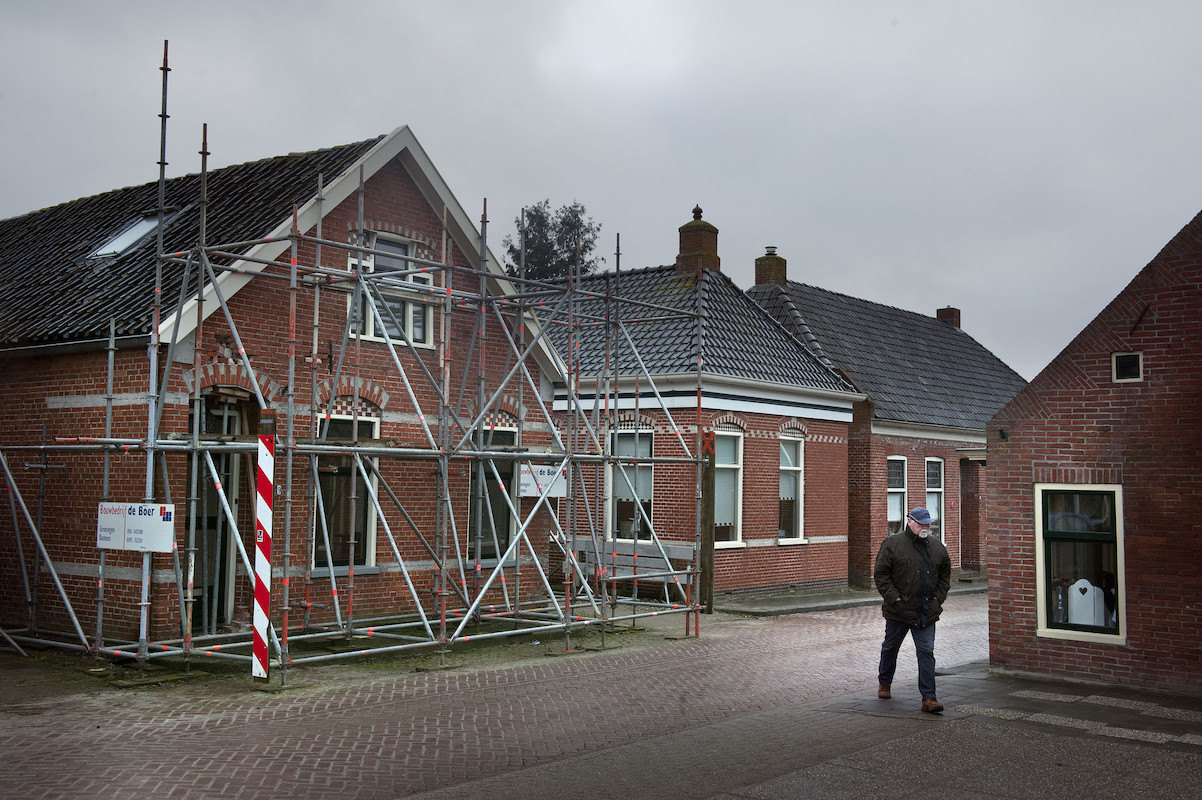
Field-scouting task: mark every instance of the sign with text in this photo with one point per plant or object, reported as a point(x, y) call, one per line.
point(533, 480)
point(145, 527)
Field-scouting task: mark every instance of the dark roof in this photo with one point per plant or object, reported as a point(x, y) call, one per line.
point(740, 338)
point(914, 368)
point(53, 292)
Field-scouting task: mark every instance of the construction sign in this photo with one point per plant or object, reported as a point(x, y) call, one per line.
point(145, 527)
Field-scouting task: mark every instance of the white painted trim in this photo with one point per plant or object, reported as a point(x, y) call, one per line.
point(724, 393)
point(916, 431)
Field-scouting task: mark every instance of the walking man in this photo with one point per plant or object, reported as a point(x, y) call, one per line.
point(913, 574)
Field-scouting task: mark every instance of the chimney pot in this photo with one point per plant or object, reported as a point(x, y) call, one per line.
point(949, 315)
point(698, 246)
point(771, 268)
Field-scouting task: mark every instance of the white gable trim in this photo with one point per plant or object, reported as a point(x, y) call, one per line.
point(401, 142)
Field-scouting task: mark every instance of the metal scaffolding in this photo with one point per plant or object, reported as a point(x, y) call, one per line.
point(518, 567)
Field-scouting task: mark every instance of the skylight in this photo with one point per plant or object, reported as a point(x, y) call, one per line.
point(126, 238)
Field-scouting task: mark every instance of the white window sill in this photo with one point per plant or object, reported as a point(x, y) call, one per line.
point(397, 342)
point(729, 545)
point(799, 540)
point(343, 572)
point(1083, 636)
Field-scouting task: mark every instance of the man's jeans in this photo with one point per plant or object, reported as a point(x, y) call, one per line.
point(924, 644)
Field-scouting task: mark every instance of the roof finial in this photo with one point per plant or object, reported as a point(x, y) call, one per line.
point(697, 212)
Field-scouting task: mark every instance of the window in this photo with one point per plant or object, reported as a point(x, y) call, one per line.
point(792, 490)
point(127, 238)
point(399, 307)
point(632, 485)
point(895, 481)
point(348, 505)
point(728, 486)
point(494, 535)
point(935, 495)
point(1126, 367)
point(1079, 563)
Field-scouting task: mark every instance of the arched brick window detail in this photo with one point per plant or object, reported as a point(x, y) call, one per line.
point(369, 391)
point(234, 375)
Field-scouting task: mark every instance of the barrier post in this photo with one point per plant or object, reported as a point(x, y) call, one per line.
point(265, 487)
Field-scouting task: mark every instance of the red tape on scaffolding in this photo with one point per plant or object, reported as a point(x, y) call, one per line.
point(264, 481)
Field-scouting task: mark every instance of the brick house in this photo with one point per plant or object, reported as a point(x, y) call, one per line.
point(394, 365)
point(917, 437)
point(779, 417)
point(1094, 552)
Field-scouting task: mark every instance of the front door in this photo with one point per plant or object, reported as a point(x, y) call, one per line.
point(216, 553)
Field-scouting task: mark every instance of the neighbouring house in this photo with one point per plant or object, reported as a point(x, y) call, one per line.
point(1095, 555)
point(690, 355)
point(918, 434)
point(394, 429)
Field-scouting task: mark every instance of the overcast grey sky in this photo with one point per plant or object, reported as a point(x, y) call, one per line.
point(1018, 160)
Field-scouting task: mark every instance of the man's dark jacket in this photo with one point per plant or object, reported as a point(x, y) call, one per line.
point(900, 578)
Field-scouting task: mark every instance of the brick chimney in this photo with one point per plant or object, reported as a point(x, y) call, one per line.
point(698, 246)
point(771, 268)
point(949, 315)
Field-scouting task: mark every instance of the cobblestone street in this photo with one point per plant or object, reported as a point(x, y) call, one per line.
point(370, 732)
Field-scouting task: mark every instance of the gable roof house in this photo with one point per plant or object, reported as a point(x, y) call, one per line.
point(1095, 484)
point(693, 356)
point(365, 356)
point(919, 433)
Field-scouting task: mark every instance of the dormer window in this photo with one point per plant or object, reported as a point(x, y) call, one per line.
point(127, 238)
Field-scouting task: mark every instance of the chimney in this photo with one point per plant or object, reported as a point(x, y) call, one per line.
point(698, 246)
point(771, 268)
point(949, 315)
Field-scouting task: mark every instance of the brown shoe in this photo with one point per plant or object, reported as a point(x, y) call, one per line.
point(932, 706)
point(883, 691)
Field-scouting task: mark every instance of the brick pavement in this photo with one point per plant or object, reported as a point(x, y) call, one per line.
point(365, 733)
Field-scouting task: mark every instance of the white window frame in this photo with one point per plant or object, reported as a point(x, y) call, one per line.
point(799, 471)
point(1041, 568)
point(368, 260)
point(903, 491)
point(613, 477)
point(1114, 367)
point(939, 530)
point(371, 526)
point(737, 469)
point(127, 238)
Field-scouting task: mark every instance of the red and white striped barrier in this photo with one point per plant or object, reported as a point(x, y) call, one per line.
point(265, 483)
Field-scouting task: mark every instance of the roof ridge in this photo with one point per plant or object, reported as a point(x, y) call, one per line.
point(133, 187)
point(865, 300)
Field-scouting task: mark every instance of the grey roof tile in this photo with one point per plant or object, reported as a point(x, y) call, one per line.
point(739, 338)
point(915, 368)
point(52, 292)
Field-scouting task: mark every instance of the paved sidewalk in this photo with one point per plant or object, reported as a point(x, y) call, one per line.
point(764, 707)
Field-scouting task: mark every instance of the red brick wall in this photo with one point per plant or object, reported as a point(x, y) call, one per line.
point(972, 545)
point(66, 392)
point(868, 502)
point(760, 563)
point(1072, 424)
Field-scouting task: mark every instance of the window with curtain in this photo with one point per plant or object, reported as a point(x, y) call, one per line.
point(895, 482)
point(1080, 558)
point(792, 490)
point(632, 485)
point(935, 495)
point(728, 486)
